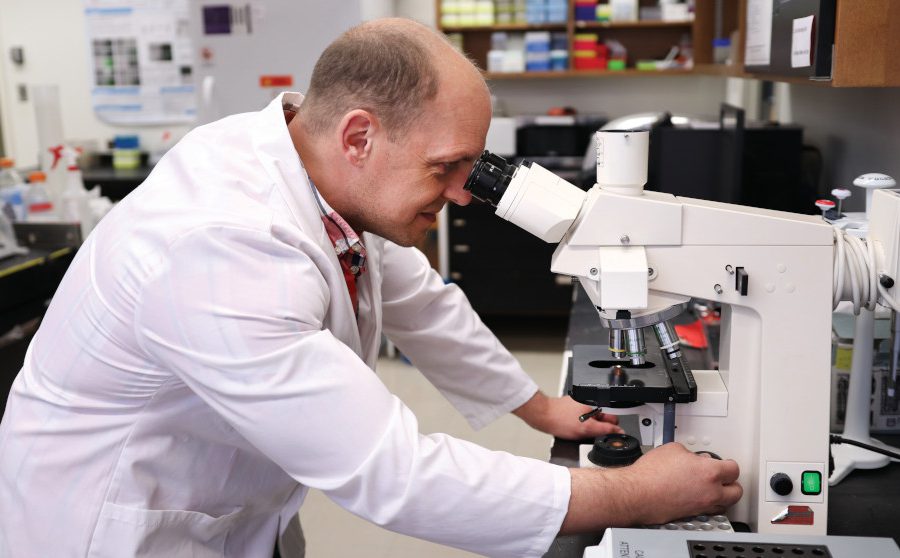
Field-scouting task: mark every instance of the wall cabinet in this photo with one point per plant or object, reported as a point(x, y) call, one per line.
point(864, 52)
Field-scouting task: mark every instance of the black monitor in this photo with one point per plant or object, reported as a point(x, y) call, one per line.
point(759, 165)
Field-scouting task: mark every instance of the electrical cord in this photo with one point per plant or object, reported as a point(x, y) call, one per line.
point(855, 262)
point(835, 439)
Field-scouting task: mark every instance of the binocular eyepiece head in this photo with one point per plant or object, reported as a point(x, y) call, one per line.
point(489, 178)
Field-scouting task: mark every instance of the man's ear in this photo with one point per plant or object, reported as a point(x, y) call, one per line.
point(358, 129)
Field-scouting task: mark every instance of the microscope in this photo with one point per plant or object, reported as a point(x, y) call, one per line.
point(640, 256)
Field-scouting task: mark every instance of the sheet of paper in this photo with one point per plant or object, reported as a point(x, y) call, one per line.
point(801, 42)
point(758, 49)
point(141, 61)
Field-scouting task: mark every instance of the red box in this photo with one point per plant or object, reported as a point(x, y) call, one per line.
point(590, 63)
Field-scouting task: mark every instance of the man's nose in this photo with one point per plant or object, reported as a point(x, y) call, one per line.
point(457, 194)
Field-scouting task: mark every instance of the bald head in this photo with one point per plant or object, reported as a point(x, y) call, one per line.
point(390, 67)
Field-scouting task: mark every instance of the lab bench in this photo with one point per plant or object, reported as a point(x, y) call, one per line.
point(865, 503)
point(27, 282)
point(114, 183)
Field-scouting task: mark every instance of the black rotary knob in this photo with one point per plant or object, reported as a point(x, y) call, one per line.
point(781, 484)
point(615, 450)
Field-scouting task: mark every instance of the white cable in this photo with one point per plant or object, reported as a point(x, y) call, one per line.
point(873, 280)
point(855, 261)
point(837, 276)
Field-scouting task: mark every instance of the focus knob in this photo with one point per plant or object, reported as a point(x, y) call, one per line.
point(781, 484)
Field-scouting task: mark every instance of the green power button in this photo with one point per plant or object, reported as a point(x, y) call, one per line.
point(811, 483)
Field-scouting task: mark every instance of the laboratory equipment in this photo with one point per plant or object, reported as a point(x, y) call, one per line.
point(859, 408)
point(12, 191)
point(126, 153)
point(40, 206)
point(8, 245)
point(647, 253)
point(74, 202)
point(696, 543)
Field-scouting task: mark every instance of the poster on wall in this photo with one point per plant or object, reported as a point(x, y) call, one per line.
point(141, 61)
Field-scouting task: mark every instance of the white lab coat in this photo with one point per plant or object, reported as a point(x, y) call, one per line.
point(200, 366)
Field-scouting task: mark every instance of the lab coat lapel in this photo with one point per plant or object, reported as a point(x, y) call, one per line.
point(275, 150)
point(370, 300)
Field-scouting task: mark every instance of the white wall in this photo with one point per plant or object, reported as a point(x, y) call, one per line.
point(857, 130)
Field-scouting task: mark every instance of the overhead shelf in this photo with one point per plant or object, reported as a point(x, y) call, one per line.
point(582, 74)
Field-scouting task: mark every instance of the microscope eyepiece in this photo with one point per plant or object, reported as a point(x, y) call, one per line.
point(489, 178)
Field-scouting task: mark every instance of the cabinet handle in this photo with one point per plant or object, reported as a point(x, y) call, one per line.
point(459, 222)
point(455, 275)
point(461, 248)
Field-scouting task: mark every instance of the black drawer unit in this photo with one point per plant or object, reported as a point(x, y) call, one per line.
point(503, 270)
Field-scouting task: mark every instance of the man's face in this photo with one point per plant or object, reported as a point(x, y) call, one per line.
point(409, 180)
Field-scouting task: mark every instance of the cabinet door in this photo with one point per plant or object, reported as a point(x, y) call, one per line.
point(802, 39)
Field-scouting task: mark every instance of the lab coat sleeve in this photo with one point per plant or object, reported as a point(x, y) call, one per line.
point(436, 327)
point(238, 318)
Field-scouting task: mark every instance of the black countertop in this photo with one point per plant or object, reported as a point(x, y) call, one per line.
point(865, 503)
point(115, 184)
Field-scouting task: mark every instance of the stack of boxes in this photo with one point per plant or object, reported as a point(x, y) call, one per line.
point(545, 11)
point(614, 10)
point(507, 53)
point(541, 51)
point(510, 11)
point(537, 51)
point(588, 54)
point(585, 10)
point(559, 52)
point(467, 13)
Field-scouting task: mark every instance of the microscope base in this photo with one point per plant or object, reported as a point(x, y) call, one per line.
point(847, 458)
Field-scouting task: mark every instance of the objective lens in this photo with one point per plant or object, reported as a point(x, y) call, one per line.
point(616, 343)
point(634, 341)
point(668, 340)
point(489, 178)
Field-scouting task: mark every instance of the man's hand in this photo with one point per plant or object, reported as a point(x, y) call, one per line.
point(667, 483)
point(559, 416)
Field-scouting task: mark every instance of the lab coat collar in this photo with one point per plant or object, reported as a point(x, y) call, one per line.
point(275, 149)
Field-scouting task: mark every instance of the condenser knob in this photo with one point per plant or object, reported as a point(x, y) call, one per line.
point(781, 484)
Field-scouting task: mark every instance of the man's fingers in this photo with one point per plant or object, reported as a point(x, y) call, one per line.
point(729, 471)
point(603, 417)
point(599, 428)
point(731, 493)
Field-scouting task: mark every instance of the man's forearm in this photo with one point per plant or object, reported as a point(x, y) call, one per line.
point(532, 410)
point(599, 500)
point(666, 483)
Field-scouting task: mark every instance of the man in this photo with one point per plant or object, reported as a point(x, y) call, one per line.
point(209, 355)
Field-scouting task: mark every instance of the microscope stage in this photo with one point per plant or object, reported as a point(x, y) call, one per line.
point(602, 381)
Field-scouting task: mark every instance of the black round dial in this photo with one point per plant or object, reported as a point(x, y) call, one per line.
point(781, 484)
